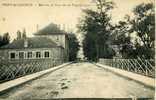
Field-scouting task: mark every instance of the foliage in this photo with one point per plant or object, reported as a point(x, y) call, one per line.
point(73, 47)
point(89, 47)
point(5, 39)
point(144, 25)
point(121, 37)
point(96, 26)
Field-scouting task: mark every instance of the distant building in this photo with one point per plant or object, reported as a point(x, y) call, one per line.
point(60, 37)
point(48, 43)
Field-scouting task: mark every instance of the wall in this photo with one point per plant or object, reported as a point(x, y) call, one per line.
point(55, 54)
point(61, 40)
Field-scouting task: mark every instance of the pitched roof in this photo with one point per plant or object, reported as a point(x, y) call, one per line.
point(33, 42)
point(51, 29)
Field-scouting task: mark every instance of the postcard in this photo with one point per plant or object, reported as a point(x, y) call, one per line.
point(77, 49)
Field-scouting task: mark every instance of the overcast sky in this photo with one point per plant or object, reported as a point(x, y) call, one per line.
point(16, 18)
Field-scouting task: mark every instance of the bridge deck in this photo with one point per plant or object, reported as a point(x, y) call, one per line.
point(82, 80)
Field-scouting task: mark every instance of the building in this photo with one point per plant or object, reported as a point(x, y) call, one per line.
point(60, 37)
point(49, 43)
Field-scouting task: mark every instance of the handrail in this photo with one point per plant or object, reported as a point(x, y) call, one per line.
point(140, 66)
point(11, 70)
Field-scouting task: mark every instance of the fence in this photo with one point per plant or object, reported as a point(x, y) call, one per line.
point(140, 66)
point(15, 69)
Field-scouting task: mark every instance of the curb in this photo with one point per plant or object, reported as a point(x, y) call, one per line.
point(149, 82)
point(19, 81)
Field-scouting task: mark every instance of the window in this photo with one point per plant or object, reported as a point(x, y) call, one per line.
point(46, 54)
point(12, 55)
point(38, 54)
point(21, 55)
point(29, 55)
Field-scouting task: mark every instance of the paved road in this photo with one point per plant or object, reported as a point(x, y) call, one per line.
point(82, 80)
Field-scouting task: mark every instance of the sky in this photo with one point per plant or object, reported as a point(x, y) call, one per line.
point(39, 13)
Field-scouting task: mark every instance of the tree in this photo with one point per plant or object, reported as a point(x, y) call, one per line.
point(89, 47)
point(144, 25)
point(96, 28)
point(121, 37)
point(73, 47)
point(5, 39)
point(1, 40)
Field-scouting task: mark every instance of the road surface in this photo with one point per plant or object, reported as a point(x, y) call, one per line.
point(79, 80)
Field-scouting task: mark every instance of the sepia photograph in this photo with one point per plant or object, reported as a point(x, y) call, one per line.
point(77, 50)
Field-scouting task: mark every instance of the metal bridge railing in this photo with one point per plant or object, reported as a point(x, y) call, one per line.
point(12, 70)
point(141, 66)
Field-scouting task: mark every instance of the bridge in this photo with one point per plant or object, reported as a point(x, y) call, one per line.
point(79, 80)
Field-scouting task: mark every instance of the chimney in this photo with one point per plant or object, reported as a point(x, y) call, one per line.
point(25, 43)
point(59, 26)
point(64, 27)
point(37, 27)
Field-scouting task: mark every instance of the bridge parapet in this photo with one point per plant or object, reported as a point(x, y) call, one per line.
point(139, 66)
point(12, 70)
